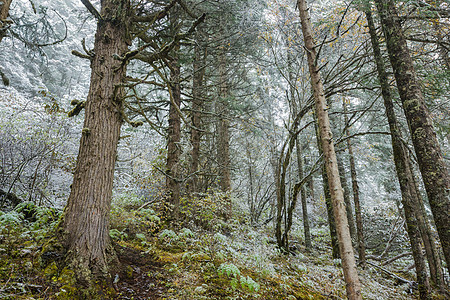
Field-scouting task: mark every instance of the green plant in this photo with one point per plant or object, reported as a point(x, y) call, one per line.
point(249, 284)
point(232, 272)
point(229, 270)
point(186, 233)
point(117, 235)
point(10, 219)
point(142, 238)
point(168, 235)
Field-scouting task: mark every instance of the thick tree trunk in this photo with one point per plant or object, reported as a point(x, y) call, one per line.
point(4, 13)
point(84, 227)
point(353, 285)
point(196, 108)
point(355, 188)
point(403, 168)
point(431, 163)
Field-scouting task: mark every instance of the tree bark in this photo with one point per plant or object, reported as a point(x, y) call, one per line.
point(293, 103)
point(196, 108)
point(223, 144)
point(331, 220)
point(403, 168)
point(174, 129)
point(174, 137)
point(84, 231)
point(4, 24)
point(4, 13)
point(353, 285)
point(305, 216)
point(431, 163)
point(355, 188)
point(347, 200)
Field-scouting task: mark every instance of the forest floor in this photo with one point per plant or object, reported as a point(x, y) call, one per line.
point(232, 262)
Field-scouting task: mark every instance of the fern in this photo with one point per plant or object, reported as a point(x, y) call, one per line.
point(168, 234)
point(229, 270)
point(186, 233)
point(12, 218)
point(249, 284)
point(117, 235)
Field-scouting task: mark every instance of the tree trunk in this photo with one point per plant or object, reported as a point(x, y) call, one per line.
point(347, 200)
point(305, 216)
point(223, 144)
point(431, 163)
point(403, 166)
point(353, 286)
point(355, 188)
point(327, 197)
point(174, 137)
point(84, 226)
point(429, 242)
point(196, 108)
point(4, 13)
point(293, 103)
point(331, 221)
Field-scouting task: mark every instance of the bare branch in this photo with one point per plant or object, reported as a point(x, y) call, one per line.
point(92, 9)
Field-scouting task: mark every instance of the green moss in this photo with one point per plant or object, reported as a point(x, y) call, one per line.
point(67, 292)
point(67, 276)
point(51, 270)
point(129, 271)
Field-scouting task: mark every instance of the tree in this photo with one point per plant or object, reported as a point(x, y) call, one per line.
point(431, 162)
point(174, 130)
point(84, 231)
point(355, 187)
point(196, 109)
point(405, 175)
point(345, 244)
point(4, 22)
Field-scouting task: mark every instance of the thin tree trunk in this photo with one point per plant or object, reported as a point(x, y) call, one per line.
point(223, 129)
point(355, 188)
point(84, 231)
point(4, 13)
point(431, 163)
point(353, 285)
point(174, 137)
point(327, 197)
point(347, 200)
point(196, 108)
point(293, 103)
point(305, 216)
point(403, 167)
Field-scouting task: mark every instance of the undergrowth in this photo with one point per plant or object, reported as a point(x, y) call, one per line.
point(207, 253)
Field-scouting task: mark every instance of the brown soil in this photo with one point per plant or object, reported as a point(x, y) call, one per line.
point(139, 275)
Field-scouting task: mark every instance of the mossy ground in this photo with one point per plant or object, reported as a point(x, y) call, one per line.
point(165, 260)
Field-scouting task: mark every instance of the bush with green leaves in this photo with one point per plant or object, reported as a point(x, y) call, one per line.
point(144, 221)
point(10, 220)
point(207, 210)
